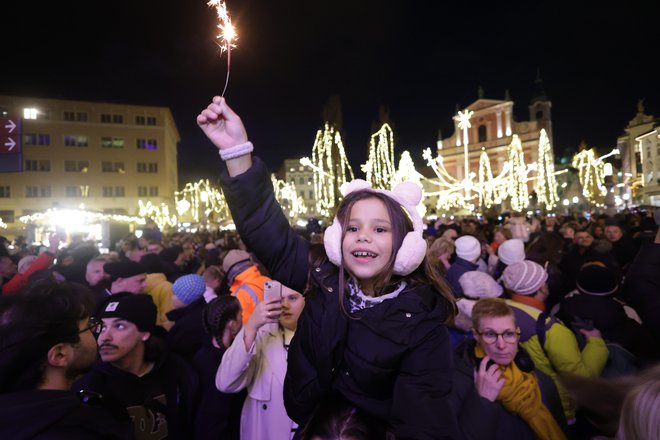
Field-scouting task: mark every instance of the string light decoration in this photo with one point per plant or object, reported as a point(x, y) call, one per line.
point(75, 217)
point(200, 199)
point(331, 169)
point(380, 168)
point(288, 198)
point(406, 172)
point(488, 195)
point(159, 214)
point(3, 225)
point(518, 192)
point(591, 175)
point(546, 184)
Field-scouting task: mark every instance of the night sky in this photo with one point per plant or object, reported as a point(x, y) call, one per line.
point(418, 58)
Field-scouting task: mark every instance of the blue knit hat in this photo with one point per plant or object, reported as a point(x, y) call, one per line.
point(189, 288)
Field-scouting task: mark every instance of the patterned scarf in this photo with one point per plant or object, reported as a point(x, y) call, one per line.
point(521, 395)
point(358, 300)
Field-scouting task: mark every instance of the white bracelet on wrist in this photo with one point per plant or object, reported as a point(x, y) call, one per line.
point(236, 151)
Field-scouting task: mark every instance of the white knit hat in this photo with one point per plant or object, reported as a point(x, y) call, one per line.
point(524, 277)
point(477, 285)
point(468, 248)
point(511, 251)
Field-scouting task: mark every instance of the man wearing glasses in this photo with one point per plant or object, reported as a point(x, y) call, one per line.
point(138, 379)
point(47, 342)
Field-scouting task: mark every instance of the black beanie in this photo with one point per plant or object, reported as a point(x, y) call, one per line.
point(138, 309)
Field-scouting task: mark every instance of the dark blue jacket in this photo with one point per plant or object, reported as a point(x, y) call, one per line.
point(394, 361)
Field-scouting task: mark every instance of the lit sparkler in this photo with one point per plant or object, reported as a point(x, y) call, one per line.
point(227, 34)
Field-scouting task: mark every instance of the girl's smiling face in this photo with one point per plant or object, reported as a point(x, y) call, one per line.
point(367, 243)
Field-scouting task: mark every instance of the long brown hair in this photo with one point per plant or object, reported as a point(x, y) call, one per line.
point(386, 280)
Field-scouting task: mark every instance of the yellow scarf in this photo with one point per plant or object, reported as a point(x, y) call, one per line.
point(521, 395)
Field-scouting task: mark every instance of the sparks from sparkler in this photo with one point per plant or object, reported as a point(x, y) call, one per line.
point(227, 34)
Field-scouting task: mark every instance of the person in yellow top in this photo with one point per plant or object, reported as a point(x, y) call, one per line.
point(245, 281)
point(552, 345)
point(158, 288)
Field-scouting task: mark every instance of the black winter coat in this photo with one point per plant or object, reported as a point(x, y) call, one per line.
point(392, 360)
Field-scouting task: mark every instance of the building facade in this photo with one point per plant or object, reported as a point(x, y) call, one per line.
point(302, 177)
point(640, 158)
point(100, 156)
point(492, 129)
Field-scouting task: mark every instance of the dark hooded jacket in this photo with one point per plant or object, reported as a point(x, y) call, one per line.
point(55, 415)
point(162, 401)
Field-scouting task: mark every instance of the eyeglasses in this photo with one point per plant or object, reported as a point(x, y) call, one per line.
point(509, 336)
point(94, 325)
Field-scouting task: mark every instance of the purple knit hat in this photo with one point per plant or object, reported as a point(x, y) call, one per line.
point(524, 277)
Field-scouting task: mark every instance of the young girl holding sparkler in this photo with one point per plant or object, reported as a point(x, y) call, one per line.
point(373, 327)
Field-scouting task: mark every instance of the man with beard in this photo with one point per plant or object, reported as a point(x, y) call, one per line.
point(46, 343)
point(138, 380)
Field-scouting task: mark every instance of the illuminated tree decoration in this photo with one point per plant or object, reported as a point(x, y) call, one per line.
point(3, 225)
point(380, 167)
point(546, 184)
point(288, 198)
point(406, 171)
point(591, 175)
point(199, 200)
point(331, 169)
point(159, 214)
point(518, 178)
point(489, 193)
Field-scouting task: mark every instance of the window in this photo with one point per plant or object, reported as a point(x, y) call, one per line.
point(44, 191)
point(151, 191)
point(301, 180)
point(77, 191)
point(37, 165)
point(44, 139)
point(144, 167)
point(112, 167)
point(75, 141)
point(69, 116)
point(76, 166)
point(311, 194)
point(106, 118)
point(483, 137)
point(109, 191)
point(539, 114)
point(117, 119)
point(151, 120)
point(31, 191)
point(30, 139)
point(30, 113)
point(140, 120)
point(7, 216)
point(112, 142)
point(5, 193)
point(147, 144)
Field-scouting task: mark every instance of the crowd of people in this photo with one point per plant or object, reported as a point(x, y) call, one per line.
point(383, 326)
